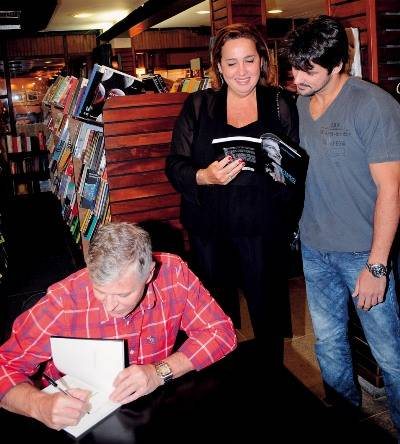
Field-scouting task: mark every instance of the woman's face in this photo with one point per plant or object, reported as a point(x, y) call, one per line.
point(240, 65)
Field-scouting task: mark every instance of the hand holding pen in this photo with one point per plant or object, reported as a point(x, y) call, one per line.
point(57, 386)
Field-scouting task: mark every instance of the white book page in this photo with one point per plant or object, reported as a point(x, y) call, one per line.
point(96, 362)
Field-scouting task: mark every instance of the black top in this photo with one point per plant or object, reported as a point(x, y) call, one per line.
point(252, 203)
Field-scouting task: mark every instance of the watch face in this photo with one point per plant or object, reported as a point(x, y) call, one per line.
point(377, 270)
point(164, 371)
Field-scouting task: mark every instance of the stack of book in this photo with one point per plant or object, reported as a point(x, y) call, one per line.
point(154, 82)
point(191, 84)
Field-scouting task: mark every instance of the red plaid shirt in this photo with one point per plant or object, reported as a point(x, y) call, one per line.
point(175, 300)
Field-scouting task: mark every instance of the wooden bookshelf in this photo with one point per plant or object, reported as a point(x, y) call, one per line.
point(28, 163)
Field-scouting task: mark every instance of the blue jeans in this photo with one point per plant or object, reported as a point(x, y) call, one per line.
point(330, 279)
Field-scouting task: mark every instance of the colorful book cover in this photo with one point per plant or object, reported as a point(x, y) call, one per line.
point(112, 83)
point(90, 188)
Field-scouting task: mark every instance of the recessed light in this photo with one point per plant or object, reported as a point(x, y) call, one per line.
point(82, 15)
point(202, 12)
point(274, 11)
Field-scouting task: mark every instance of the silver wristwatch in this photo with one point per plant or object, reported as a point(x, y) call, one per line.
point(377, 270)
point(164, 371)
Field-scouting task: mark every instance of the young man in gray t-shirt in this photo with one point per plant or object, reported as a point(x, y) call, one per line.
point(351, 131)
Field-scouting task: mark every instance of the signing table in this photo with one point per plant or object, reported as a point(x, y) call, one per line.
point(233, 401)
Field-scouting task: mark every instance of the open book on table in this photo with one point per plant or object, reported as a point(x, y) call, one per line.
point(267, 154)
point(90, 364)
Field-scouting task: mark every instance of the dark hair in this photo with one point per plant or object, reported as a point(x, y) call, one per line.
point(322, 41)
point(237, 31)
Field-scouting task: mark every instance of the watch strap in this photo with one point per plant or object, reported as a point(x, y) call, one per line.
point(377, 270)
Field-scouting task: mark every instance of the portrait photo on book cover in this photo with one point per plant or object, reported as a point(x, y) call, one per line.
point(283, 162)
point(268, 154)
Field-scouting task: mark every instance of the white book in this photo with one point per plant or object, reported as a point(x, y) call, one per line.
point(90, 364)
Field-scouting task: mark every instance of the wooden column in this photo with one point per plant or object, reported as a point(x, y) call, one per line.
point(226, 12)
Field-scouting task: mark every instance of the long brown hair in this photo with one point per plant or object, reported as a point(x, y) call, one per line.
point(237, 31)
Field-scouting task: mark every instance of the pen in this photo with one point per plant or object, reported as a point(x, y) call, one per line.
point(54, 384)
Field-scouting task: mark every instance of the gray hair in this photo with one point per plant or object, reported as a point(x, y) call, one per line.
point(115, 247)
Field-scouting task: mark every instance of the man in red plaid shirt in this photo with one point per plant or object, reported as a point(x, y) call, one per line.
point(125, 292)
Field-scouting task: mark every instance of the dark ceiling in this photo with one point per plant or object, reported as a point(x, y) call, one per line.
point(21, 17)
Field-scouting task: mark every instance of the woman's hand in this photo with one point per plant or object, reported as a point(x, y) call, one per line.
point(220, 172)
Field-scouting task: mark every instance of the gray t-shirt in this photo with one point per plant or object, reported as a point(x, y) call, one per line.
point(360, 127)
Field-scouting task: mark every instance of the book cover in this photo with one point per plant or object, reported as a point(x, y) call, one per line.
point(89, 90)
point(154, 82)
point(90, 364)
point(112, 83)
point(268, 154)
point(90, 188)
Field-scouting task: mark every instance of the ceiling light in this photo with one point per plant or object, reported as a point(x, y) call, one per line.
point(274, 11)
point(82, 15)
point(202, 12)
point(114, 16)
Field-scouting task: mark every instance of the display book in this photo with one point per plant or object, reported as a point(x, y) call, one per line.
point(103, 83)
point(78, 158)
point(89, 364)
point(154, 82)
point(268, 154)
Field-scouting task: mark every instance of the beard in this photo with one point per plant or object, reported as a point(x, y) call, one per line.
point(309, 91)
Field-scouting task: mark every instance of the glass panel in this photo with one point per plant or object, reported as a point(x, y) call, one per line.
point(30, 79)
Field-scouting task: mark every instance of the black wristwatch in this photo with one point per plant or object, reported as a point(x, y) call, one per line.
point(377, 270)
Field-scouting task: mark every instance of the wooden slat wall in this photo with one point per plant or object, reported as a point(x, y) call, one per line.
point(170, 38)
point(356, 14)
point(379, 25)
point(226, 12)
point(51, 45)
point(388, 35)
point(138, 132)
point(81, 43)
point(35, 46)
